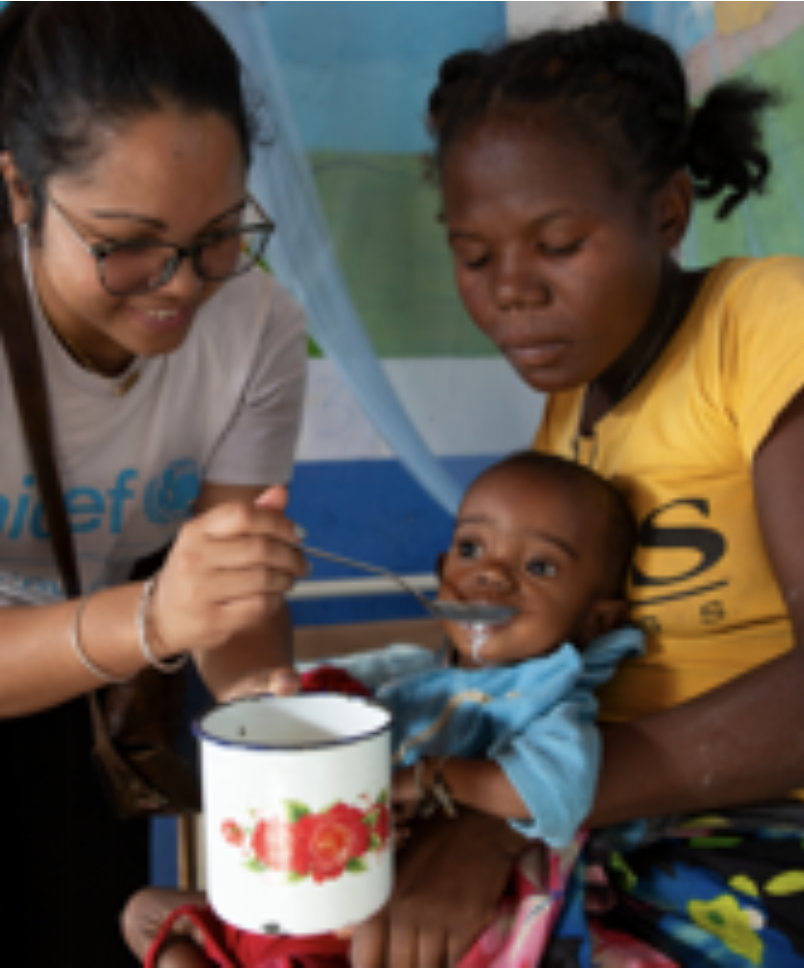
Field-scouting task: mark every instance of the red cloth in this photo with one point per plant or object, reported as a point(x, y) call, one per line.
point(229, 947)
point(332, 680)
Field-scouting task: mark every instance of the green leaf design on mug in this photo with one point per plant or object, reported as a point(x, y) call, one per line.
point(296, 812)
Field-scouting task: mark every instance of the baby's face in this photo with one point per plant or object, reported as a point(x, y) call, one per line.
point(525, 540)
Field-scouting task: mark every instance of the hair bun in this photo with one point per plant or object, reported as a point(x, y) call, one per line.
point(453, 73)
point(457, 67)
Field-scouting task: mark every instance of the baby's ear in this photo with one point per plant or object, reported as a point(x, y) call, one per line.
point(606, 615)
point(439, 564)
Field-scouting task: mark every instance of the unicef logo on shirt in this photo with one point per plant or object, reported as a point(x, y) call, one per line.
point(170, 499)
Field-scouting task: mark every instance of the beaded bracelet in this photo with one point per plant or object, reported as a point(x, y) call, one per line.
point(436, 795)
point(440, 791)
point(170, 667)
point(80, 652)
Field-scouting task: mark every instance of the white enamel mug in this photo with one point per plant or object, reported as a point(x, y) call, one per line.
point(296, 812)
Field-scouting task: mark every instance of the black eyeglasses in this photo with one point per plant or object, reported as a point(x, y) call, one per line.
point(131, 268)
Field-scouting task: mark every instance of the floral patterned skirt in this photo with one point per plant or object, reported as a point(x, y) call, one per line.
point(721, 891)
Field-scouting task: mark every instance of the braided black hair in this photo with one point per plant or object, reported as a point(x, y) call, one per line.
point(623, 86)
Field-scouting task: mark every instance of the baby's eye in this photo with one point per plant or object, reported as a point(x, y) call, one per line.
point(468, 549)
point(542, 569)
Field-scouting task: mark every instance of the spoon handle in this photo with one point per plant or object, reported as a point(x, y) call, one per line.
point(370, 568)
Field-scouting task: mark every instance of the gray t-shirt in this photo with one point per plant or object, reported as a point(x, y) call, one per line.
point(224, 408)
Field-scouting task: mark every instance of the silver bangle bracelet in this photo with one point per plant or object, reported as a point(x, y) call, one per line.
point(170, 667)
point(78, 647)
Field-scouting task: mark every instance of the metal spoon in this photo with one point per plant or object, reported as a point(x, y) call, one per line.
point(453, 611)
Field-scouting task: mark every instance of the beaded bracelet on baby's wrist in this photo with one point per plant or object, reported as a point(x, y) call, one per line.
point(435, 795)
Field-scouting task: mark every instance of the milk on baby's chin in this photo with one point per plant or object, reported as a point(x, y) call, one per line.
point(480, 636)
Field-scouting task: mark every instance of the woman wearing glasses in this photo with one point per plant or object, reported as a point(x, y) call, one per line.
point(175, 374)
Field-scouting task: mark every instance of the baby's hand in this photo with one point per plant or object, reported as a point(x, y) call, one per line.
point(405, 788)
point(284, 682)
point(406, 798)
point(280, 681)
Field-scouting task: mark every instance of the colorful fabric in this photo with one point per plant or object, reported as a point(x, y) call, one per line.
point(526, 917)
point(725, 891)
point(516, 938)
point(681, 448)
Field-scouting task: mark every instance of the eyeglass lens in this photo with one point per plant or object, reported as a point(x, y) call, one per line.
point(138, 269)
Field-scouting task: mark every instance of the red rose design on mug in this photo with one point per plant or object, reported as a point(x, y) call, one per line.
point(278, 846)
point(323, 846)
point(338, 840)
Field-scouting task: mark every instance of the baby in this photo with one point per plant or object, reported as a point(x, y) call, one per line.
point(504, 721)
point(506, 724)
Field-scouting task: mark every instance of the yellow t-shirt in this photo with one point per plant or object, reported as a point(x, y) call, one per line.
point(681, 446)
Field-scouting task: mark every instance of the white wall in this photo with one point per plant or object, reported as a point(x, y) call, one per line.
point(528, 15)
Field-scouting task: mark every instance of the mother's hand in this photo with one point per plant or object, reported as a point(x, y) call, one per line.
point(451, 876)
point(227, 574)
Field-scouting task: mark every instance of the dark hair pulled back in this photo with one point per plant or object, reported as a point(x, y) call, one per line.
point(70, 71)
point(620, 85)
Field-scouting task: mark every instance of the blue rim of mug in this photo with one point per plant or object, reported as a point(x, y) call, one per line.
point(203, 734)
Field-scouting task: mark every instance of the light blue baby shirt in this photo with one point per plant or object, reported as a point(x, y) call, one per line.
point(537, 719)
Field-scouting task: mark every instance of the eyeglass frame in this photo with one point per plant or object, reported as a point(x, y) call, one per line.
point(101, 251)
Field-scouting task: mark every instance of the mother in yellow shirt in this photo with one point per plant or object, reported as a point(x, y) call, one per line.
point(569, 163)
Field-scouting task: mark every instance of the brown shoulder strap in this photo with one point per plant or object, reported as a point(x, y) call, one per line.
point(28, 378)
